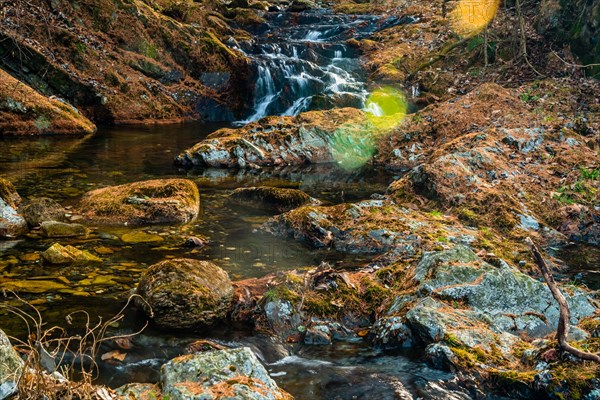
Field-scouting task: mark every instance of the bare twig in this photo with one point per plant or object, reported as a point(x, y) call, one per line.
point(565, 314)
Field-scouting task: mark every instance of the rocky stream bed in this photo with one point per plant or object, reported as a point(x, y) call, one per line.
point(295, 249)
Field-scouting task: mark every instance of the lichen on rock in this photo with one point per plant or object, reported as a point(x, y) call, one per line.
point(185, 293)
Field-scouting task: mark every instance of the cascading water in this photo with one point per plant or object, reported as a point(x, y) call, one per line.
point(302, 62)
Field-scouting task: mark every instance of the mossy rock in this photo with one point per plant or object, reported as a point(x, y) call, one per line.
point(68, 255)
point(11, 222)
point(42, 209)
point(11, 366)
point(220, 374)
point(185, 293)
point(23, 111)
point(8, 193)
point(55, 229)
point(271, 198)
point(160, 201)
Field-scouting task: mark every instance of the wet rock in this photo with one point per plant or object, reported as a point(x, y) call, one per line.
point(391, 332)
point(10, 367)
point(318, 335)
point(23, 111)
point(282, 317)
point(301, 5)
point(219, 374)
point(11, 222)
point(139, 391)
point(161, 201)
point(273, 141)
point(185, 293)
point(194, 241)
point(36, 211)
point(270, 198)
point(62, 255)
point(441, 356)
point(55, 229)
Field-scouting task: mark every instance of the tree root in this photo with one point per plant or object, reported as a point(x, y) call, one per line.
point(565, 313)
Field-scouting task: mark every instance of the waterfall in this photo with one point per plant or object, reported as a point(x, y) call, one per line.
point(302, 62)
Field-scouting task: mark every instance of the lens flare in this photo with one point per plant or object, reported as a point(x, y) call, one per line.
point(386, 108)
point(352, 146)
point(472, 16)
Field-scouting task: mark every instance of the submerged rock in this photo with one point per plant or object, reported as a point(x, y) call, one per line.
point(185, 293)
point(55, 229)
point(11, 366)
point(219, 374)
point(11, 222)
point(273, 141)
point(270, 198)
point(36, 211)
point(58, 254)
point(160, 201)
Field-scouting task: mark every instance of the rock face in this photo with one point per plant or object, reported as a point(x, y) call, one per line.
point(161, 201)
point(67, 255)
point(11, 222)
point(10, 367)
point(185, 293)
point(42, 209)
point(23, 111)
point(273, 141)
point(143, 65)
point(271, 198)
point(576, 23)
point(219, 374)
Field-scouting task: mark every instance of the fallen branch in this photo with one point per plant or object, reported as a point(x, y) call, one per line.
point(565, 314)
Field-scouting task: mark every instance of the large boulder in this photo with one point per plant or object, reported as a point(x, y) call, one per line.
point(514, 301)
point(11, 222)
point(160, 201)
point(273, 141)
point(219, 374)
point(36, 211)
point(11, 366)
point(270, 198)
point(185, 293)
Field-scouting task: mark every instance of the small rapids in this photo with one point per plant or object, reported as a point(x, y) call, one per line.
point(303, 62)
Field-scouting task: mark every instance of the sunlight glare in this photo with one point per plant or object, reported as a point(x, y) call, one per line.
point(472, 16)
point(386, 108)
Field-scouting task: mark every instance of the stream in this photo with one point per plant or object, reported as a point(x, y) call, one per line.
point(65, 168)
point(301, 62)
